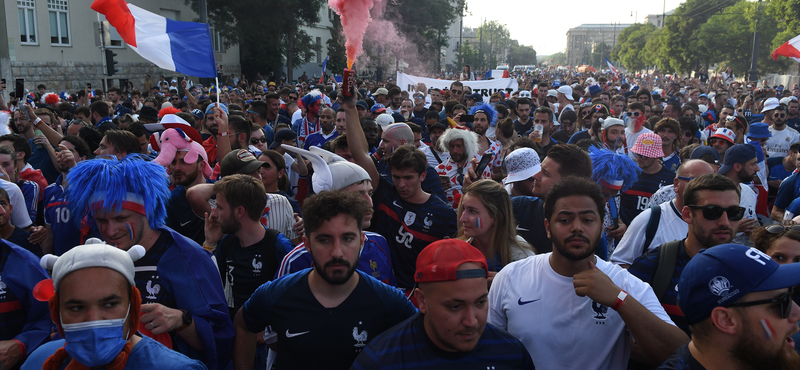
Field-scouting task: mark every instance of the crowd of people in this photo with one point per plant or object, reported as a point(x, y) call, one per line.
point(584, 221)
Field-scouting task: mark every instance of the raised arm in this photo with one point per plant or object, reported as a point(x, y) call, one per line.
point(356, 139)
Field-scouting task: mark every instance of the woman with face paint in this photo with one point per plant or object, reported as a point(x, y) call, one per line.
point(486, 220)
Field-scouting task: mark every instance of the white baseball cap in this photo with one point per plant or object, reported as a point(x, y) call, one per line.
point(567, 91)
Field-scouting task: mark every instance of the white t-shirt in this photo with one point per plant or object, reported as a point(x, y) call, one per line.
point(560, 329)
point(630, 136)
point(291, 175)
point(428, 150)
point(19, 217)
point(671, 227)
point(778, 145)
point(747, 200)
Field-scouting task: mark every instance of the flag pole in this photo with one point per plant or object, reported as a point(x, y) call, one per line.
point(216, 84)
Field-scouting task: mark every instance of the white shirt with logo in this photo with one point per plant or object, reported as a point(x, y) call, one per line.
point(671, 227)
point(560, 329)
point(778, 145)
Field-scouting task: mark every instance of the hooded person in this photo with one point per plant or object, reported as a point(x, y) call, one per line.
point(179, 283)
point(331, 173)
point(102, 332)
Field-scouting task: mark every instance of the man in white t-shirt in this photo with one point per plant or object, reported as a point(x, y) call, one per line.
point(558, 303)
point(671, 225)
point(635, 121)
point(741, 165)
point(782, 136)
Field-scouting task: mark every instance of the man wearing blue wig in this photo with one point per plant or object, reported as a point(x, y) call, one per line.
point(182, 298)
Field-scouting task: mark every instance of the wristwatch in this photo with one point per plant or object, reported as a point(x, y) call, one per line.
point(187, 320)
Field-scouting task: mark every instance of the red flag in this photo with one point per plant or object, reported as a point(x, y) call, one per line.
point(790, 49)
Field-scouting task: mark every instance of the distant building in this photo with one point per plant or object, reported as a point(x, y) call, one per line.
point(658, 19)
point(320, 33)
point(582, 40)
point(455, 37)
point(56, 43)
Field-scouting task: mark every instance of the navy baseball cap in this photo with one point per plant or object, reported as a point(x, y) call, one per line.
point(281, 136)
point(739, 153)
point(758, 130)
point(475, 96)
point(702, 151)
point(721, 275)
point(362, 104)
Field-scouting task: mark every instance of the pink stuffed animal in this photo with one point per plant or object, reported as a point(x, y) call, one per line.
point(174, 140)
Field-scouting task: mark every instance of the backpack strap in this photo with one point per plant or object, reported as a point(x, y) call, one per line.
point(652, 227)
point(665, 267)
point(436, 155)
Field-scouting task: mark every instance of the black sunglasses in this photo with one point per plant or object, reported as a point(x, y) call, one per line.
point(785, 301)
point(254, 140)
point(778, 229)
point(658, 112)
point(712, 212)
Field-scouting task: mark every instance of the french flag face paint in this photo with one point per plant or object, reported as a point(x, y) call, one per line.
point(769, 332)
point(478, 223)
point(131, 230)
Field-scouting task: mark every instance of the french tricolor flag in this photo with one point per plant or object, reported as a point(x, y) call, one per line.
point(789, 49)
point(183, 47)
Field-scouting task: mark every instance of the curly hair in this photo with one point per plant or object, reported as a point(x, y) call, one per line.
point(326, 205)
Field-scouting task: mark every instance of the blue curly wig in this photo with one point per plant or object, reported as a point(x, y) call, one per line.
point(108, 183)
point(486, 109)
point(612, 167)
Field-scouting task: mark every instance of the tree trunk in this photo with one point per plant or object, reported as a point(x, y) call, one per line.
point(290, 56)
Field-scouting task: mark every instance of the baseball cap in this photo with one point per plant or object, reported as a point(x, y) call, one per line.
point(438, 126)
point(362, 104)
point(739, 153)
point(378, 108)
point(475, 97)
point(439, 261)
point(611, 121)
point(381, 91)
point(384, 120)
point(552, 93)
point(758, 130)
point(271, 83)
point(724, 133)
point(771, 104)
point(568, 115)
point(702, 151)
point(198, 114)
point(720, 276)
point(525, 94)
point(567, 91)
point(94, 253)
point(594, 89)
point(648, 145)
point(239, 161)
point(556, 84)
point(210, 108)
point(281, 136)
point(521, 164)
point(149, 113)
point(788, 99)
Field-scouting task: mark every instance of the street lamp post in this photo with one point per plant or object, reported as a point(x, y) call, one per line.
point(753, 72)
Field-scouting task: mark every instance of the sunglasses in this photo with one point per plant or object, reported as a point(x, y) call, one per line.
point(785, 301)
point(685, 178)
point(418, 96)
point(291, 97)
point(633, 114)
point(255, 141)
point(658, 112)
point(778, 115)
point(712, 212)
point(779, 229)
point(458, 92)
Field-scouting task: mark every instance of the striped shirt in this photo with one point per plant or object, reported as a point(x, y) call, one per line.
point(634, 200)
point(645, 266)
point(279, 215)
point(375, 260)
point(408, 346)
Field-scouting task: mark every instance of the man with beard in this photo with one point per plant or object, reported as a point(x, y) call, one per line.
point(182, 295)
point(26, 126)
point(462, 146)
point(524, 122)
point(100, 116)
point(711, 210)
point(326, 132)
point(783, 136)
point(648, 153)
point(216, 120)
point(573, 290)
point(738, 303)
point(485, 119)
point(311, 104)
point(330, 309)
point(186, 173)
point(741, 166)
point(370, 128)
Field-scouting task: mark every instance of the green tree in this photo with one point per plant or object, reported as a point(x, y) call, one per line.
point(424, 23)
point(599, 54)
point(267, 31)
point(466, 54)
point(787, 14)
point(521, 54)
point(681, 30)
point(337, 54)
point(494, 40)
point(558, 58)
point(631, 43)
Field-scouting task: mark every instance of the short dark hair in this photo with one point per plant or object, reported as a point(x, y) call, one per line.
point(123, 141)
point(636, 105)
point(80, 145)
point(572, 160)
point(406, 156)
point(99, 107)
point(521, 101)
point(326, 205)
point(570, 186)
point(82, 110)
point(115, 89)
point(545, 110)
point(710, 181)
point(240, 125)
point(506, 126)
point(137, 129)
point(415, 128)
point(20, 145)
point(431, 114)
point(243, 191)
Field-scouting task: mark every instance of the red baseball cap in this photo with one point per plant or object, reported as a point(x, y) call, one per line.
point(439, 261)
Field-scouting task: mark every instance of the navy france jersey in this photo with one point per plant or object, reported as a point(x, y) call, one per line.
point(57, 215)
point(408, 346)
point(409, 228)
point(311, 336)
point(634, 200)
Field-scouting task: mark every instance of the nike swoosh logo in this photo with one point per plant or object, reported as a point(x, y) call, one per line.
point(185, 223)
point(522, 228)
point(521, 302)
point(397, 205)
point(292, 335)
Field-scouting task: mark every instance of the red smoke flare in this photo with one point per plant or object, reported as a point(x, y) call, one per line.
point(355, 20)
